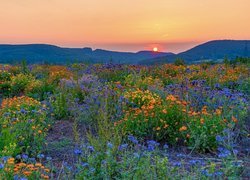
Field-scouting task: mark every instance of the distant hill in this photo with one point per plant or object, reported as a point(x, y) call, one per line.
point(212, 50)
point(39, 53)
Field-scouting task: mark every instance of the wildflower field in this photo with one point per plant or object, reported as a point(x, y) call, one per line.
point(107, 121)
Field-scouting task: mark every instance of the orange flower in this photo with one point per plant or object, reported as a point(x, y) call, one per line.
point(40, 132)
point(38, 164)
point(171, 98)
point(183, 128)
point(234, 119)
point(164, 111)
point(202, 120)
point(165, 126)
point(158, 128)
point(11, 161)
point(218, 111)
point(27, 173)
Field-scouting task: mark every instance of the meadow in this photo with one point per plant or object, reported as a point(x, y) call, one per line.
point(108, 121)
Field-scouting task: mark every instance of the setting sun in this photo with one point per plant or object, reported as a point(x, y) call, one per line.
point(155, 49)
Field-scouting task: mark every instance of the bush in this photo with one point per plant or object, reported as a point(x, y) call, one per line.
point(150, 117)
point(23, 126)
point(19, 83)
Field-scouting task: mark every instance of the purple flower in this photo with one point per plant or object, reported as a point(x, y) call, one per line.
point(40, 156)
point(78, 152)
point(223, 153)
point(122, 147)
point(165, 146)
point(152, 145)
point(85, 164)
point(219, 138)
point(24, 156)
point(110, 145)
point(206, 173)
point(48, 158)
point(177, 164)
point(23, 111)
point(218, 173)
point(235, 151)
point(132, 139)
point(91, 148)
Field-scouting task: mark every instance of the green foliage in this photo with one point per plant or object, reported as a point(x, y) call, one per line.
point(60, 105)
point(179, 62)
point(20, 82)
point(19, 115)
point(149, 117)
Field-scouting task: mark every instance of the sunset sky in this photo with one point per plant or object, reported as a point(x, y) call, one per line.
point(124, 25)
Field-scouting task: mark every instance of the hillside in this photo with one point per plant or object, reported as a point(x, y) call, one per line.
point(212, 50)
point(39, 53)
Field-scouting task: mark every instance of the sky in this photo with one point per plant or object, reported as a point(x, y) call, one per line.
point(123, 25)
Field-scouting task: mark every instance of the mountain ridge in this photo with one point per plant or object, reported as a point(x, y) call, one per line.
point(39, 53)
point(211, 50)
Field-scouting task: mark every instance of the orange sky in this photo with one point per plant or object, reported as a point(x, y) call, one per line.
point(125, 25)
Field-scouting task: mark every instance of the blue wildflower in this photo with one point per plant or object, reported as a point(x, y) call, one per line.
point(91, 170)
point(194, 162)
point(152, 145)
point(180, 155)
point(104, 162)
point(235, 151)
point(78, 152)
point(1, 166)
point(110, 145)
point(219, 138)
point(177, 164)
point(165, 146)
point(237, 164)
point(122, 147)
point(23, 111)
point(218, 173)
point(206, 173)
point(224, 153)
point(132, 139)
point(25, 156)
point(85, 164)
point(91, 148)
point(18, 156)
point(48, 158)
point(40, 156)
point(33, 160)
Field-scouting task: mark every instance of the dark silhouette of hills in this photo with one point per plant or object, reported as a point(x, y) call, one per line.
point(212, 50)
point(40, 53)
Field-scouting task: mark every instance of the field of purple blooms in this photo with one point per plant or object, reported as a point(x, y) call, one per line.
point(107, 121)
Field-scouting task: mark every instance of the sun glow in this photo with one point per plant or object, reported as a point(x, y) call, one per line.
point(155, 49)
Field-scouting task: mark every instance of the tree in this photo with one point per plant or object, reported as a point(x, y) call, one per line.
point(179, 62)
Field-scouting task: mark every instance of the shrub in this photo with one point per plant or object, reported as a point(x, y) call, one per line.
point(150, 117)
point(59, 105)
point(20, 82)
point(23, 126)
